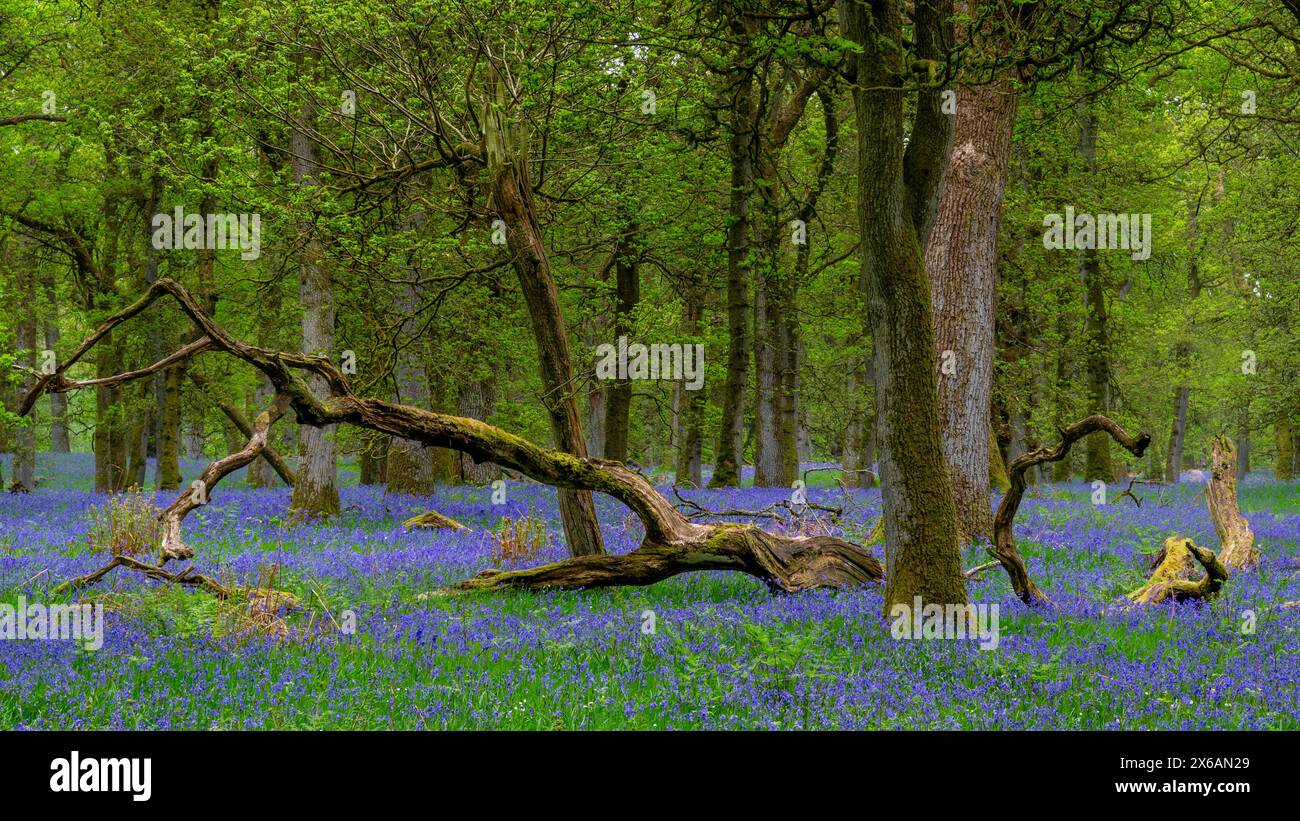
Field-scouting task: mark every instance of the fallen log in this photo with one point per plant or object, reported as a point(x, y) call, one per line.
point(434, 520)
point(672, 543)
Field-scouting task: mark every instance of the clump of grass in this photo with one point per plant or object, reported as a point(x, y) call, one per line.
point(519, 540)
point(260, 610)
point(129, 525)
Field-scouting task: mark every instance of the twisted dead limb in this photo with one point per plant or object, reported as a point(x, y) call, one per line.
point(201, 488)
point(233, 413)
point(673, 544)
point(1004, 542)
point(196, 495)
point(186, 577)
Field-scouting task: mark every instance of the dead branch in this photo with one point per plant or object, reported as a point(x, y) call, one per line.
point(434, 520)
point(186, 577)
point(201, 488)
point(1004, 542)
point(270, 454)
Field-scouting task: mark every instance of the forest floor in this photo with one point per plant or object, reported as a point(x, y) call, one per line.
point(724, 653)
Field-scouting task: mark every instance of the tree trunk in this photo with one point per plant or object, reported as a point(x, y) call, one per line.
point(1243, 449)
point(476, 401)
point(25, 338)
point(729, 454)
point(373, 459)
point(315, 493)
point(1283, 438)
point(409, 467)
point(688, 434)
point(618, 396)
point(1237, 548)
point(897, 199)
point(169, 465)
point(961, 258)
point(59, 442)
point(512, 199)
point(859, 429)
point(1097, 463)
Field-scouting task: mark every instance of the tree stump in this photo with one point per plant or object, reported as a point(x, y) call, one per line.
point(1172, 577)
point(1237, 540)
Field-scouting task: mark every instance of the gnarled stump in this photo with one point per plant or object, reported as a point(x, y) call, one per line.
point(1237, 548)
point(673, 544)
point(1172, 578)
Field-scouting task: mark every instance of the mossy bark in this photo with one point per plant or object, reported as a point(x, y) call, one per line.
point(898, 192)
point(1283, 438)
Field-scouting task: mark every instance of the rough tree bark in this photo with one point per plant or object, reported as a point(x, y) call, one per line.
point(1182, 355)
point(1171, 578)
point(409, 467)
point(1237, 548)
point(1097, 463)
point(898, 192)
point(688, 433)
point(25, 337)
point(59, 442)
point(729, 454)
point(961, 258)
point(316, 492)
point(1284, 440)
point(627, 289)
point(776, 459)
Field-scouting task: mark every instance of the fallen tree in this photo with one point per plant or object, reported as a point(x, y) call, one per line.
point(673, 543)
point(1174, 565)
